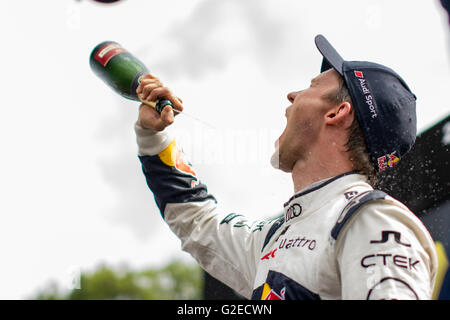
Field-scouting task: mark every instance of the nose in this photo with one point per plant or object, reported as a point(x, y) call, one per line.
point(291, 96)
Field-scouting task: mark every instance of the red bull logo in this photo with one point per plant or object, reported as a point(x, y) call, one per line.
point(389, 160)
point(270, 294)
point(173, 156)
point(182, 165)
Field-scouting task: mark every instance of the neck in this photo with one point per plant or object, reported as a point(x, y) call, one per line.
point(318, 167)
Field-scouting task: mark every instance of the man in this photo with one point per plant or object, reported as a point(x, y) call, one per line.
point(338, 238)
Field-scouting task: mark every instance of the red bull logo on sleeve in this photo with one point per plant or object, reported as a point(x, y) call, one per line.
point(173, 156)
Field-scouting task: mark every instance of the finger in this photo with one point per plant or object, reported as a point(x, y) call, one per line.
point(159, 93)
point(148, 81)
point(167, 115)
point(152, 90)
point(145, 82)
point(147, 89)
point(164, 92)
point(150, 76)
point(177, 104)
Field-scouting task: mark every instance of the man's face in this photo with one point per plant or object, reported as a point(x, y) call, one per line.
point(305, 120)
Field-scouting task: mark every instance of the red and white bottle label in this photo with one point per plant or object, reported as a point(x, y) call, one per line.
point(107, 52)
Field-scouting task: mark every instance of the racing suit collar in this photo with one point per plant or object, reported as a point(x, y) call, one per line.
point(317, 194)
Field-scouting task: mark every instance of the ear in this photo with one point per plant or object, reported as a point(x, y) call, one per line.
point(340, 115)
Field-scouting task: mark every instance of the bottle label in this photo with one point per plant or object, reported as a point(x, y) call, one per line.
point(107, 52)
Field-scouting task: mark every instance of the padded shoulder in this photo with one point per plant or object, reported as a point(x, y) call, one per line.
point(353, 206)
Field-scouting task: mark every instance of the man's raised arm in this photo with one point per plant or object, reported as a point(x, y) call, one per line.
point(225, 244)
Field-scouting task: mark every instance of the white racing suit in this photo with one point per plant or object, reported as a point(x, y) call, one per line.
point(337, 239)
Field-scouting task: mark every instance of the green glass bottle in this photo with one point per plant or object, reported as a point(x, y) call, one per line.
point(120, 70)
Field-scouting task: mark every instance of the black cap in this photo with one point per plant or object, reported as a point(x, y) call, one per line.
point(384, 105)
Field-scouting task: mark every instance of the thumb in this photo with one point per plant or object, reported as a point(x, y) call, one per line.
point(167, 115)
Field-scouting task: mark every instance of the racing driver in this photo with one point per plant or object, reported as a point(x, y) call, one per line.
point(338, 238)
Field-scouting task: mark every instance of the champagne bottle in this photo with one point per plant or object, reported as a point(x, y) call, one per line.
point(120, 70)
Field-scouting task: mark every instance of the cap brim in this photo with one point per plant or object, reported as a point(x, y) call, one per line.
point(331, 58)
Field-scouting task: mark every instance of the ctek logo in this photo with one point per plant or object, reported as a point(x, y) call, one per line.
point(366, 92)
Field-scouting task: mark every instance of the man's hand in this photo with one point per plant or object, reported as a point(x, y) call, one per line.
point(151, 89)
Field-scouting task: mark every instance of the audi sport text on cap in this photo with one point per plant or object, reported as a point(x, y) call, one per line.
point(385, 106)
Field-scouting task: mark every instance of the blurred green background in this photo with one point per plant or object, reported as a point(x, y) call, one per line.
point(176, 281)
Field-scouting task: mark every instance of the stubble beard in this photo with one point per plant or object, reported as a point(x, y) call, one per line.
point(285, 160)
point(292, 149)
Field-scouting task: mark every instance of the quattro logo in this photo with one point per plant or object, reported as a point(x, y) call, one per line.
point(297, 243)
